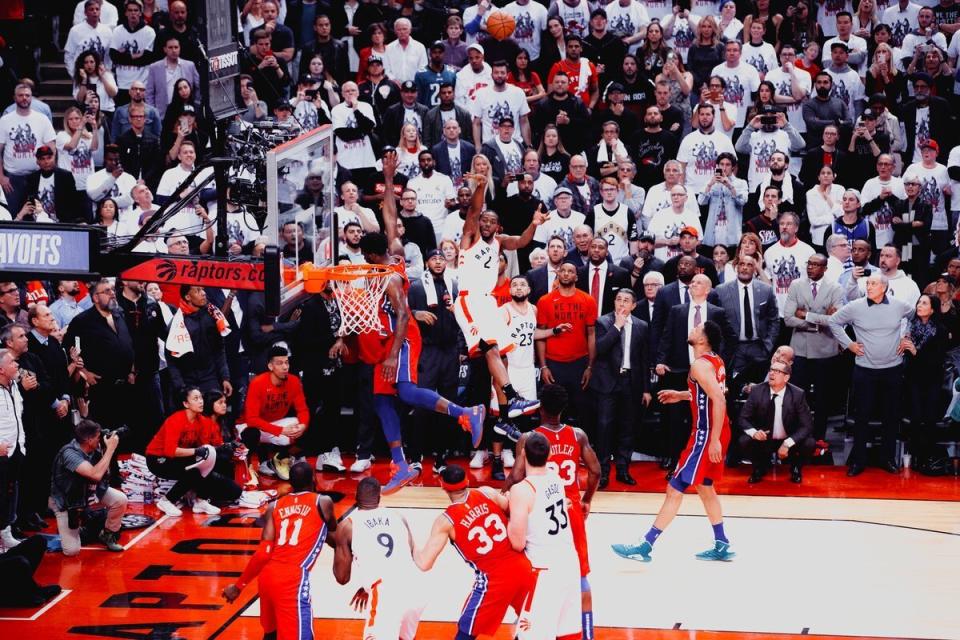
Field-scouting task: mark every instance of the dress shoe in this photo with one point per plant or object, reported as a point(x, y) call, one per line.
point(33, 522)
point(796, 475)
point(624, 477)
point(604, 481)
point(890, 467)
point(667, 463)
point(854, 470)
point(755, 477)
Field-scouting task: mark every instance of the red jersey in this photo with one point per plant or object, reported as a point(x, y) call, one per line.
point(564, 458)
point(580, 310)
point(300, 532)
point(577, 72)
point(267, 402)
point(700, 405)
point(178, 431)
point(374, 345)
point(480, 532)
point(501, 293)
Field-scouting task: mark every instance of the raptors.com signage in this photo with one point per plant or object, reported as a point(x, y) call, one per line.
point(203, 272)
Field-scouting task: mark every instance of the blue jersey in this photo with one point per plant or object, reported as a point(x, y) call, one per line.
point(428, 85)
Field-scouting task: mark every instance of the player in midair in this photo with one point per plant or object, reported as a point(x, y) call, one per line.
point(394, 350)
point(701, 463)
point(296, 527)
point(475, 524)
point(540, 525)
point(476, 308)
point(569, 447)
point(375, 547)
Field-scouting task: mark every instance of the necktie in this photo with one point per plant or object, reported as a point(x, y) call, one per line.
point(683, 294)
point(556, 282)
point(697, 318)
point(625, 345)
point(609, 152)
point(747, 315)
point(778, 431)
point(813, 285)
point(595, 286)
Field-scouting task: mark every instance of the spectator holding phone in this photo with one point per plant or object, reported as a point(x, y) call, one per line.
point(91, 75)
point(75, 147)
point(270, 78)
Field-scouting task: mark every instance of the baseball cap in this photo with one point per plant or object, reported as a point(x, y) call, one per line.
point(283, 104)
point(689, 231)
point(648, 237)
point(432, 253)
point(839, 45)
point(615, 87)
point(438, 45)
point(505, 120)
point(869, 114)
point(374, 60)
point(559, 191)
point(931, 144)
point(477, 47)
point(920, 75)
point(408, 86)
point(44, 150)
point(188, 108)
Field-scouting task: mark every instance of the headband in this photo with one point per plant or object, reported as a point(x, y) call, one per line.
point(456, 486)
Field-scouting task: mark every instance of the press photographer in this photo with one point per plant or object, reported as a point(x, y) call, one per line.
point(80, 468)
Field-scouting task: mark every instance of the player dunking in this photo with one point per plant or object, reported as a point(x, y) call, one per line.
point(701, 463)
point(293, 536)
point(476, 308)
point(375, 544)
point(569, 447)
point(540, 525)
point(395, 349)
point(476, 525)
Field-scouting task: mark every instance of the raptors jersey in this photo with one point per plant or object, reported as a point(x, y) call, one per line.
point(300, 532)
point(381, 546)
point(615, 229)
point(564, 458)
point(549, 535)
point(700, 405)
point(521, 327)
point(480, 533)
point(477, 269)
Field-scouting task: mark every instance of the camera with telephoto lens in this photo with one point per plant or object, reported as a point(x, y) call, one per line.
point(120, 432)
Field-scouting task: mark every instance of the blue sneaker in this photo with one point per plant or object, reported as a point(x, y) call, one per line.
point(720, 552)
point(640, 552)
point(507, 430)
point(472, 423)
point(401, 478)
point(522, 407)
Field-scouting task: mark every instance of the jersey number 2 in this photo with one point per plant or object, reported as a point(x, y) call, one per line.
point(294, 536)
point(484, 540)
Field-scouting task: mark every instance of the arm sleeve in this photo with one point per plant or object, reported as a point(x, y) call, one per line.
point(256, 564)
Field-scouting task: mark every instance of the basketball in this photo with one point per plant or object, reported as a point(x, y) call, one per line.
point(500, 25)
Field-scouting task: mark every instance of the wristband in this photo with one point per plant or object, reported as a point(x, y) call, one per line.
point(556, 331)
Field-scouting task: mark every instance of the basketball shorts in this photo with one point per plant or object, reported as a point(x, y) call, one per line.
point(694, 466)
point(480, 319)
point(269, 438)
point(490, 597)
point(394, 611)
point(553, 609)
point(285, 604)
point(406, 369)
point(524, 381)
point(578, 527)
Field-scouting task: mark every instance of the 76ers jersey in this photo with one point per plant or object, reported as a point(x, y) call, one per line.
point(299, 531)
point(480, 532)
point(373, 346)
point(477, 269)
point(700, 405)
point(564, 458)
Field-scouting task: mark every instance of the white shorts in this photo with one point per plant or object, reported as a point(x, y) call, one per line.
point(553, 610)
point(393, 612)
point(523, 380)
point(480, 318)
point(269, 438)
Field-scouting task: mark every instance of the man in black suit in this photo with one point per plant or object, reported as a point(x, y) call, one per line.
point(396, 116)
point(453, 154)
point(436, 119)
point(600, 278)
point(542, 278)
point(674, 356)
point(58, 197)
point(651, 285)
point(580, 254)
point(940, 119)
point(620, 383)
point(677, 292)
point(776, 418)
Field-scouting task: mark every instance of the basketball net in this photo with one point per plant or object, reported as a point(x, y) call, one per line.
point(358, 289)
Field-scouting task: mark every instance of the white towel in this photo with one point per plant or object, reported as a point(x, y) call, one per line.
point(179, 342)
point(431, 290)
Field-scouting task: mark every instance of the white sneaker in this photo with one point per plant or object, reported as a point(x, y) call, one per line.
point(168, 507)
point(478, 460)
point(336, 459)
point(330, 461)
point(360, 465)
point(266, 469)
point(508, 459)
point(7, 539)
point(202, 506)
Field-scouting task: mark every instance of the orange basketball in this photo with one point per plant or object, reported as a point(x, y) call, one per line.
point(500, 25)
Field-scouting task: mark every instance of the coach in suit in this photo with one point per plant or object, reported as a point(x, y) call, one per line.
point(620, 384)
point(776, 418)
point(651, 285)
point(600, 278)
point(158, 95)
point(677, 292)
point(441, 154)
point(674, 356)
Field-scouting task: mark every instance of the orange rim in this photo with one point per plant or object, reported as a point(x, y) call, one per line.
point(348, 272)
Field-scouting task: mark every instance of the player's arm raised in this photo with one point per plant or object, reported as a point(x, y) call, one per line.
point(518, 242)
point(702, 371)
point(471, 226)
point(257, 562)
point(521, 502)
point(519, 471)
point(589, 458)
point(440, 533)
point(389, 209)
point(343, 554)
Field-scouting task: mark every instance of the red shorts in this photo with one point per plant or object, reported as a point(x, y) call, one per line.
point(492, 593)
point(578, 527)
point(285, 603)
point(406, 369)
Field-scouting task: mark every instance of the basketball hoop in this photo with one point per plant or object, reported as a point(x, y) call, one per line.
point(357, 288)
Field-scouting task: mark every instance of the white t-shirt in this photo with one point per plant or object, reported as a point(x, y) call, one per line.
point(762, 145)
point(513, 160)
point(82, 38)
point(559, 226)
point(353, 154)
point(543, 188)
point(346, 216)
point(901, 22)
point(667, 224)
point(699, 152)
point(953, 161)
point(432, 194)
point(883, 219)
point(659, 9)
point(186, 219)
point(108, 13)
point(21, 136)
point(79, 162)
point(827, 15)
point(531, 20)
point(626, 21)
point(921, 133)
point(453, 228)
point(683, 34)
point(658, 199)
point(847, 86)
point(468, 84)
point(784, 265)
point(576, 19)
point(140, 41)
point(932, 182)
point(763, 58)
point(783, 81)
point(742, 82)
point(490, 105)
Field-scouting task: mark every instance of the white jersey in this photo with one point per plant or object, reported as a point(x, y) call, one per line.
point(467, 85)
point(616, 228)
point(521, 327)
point(477, 268)
point(381, 546)
point(549, 536)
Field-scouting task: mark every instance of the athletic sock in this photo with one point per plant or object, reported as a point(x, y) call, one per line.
point(652, 535)
point(510, 392)
point(390, 421)
point(586, 622)
point(456, 410)
point(398, 457)
point(504, 412)
point(718, 533)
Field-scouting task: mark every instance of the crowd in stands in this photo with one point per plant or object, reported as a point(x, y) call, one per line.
point(785, 168)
